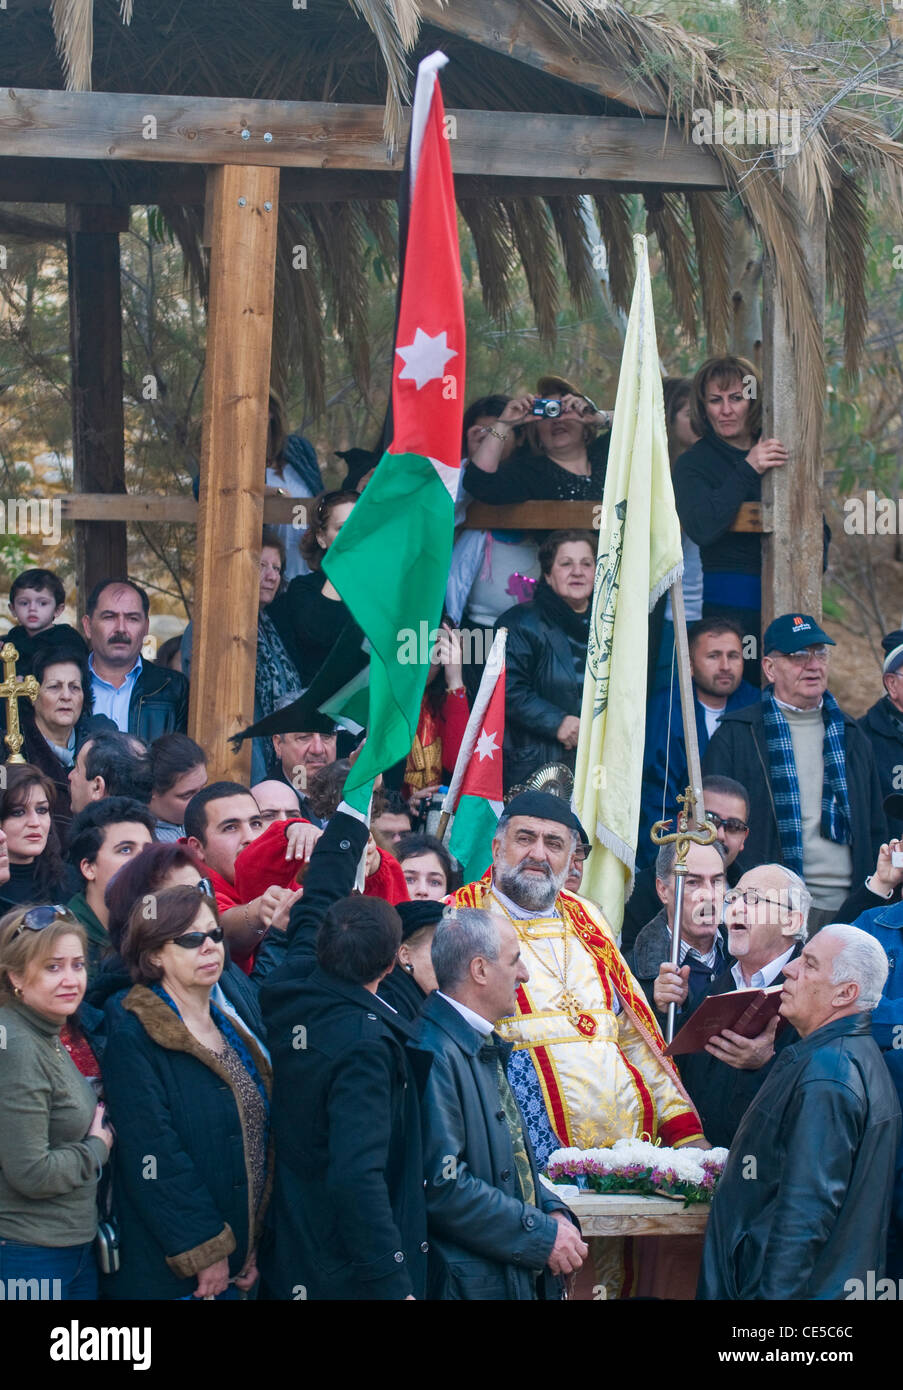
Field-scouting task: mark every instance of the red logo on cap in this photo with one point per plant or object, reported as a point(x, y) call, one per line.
point(797, 622)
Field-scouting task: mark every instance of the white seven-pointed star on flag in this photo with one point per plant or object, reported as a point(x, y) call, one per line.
point(486, 745)
point(425, 358)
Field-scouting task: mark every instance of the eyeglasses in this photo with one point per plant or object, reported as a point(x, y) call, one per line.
point(193, 940)
point(731, 824)
point(37, 918)
point(751, 897)
point(819, 654)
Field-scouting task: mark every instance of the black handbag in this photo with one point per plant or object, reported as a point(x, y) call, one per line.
point(106, 1242)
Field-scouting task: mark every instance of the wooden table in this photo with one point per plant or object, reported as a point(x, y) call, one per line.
point(616, 1215)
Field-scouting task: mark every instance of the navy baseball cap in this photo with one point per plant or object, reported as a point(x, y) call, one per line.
point(793, 632)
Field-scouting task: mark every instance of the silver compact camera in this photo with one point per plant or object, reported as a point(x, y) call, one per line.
point(550, 409)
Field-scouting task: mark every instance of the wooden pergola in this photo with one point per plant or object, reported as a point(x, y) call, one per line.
point(101, 152)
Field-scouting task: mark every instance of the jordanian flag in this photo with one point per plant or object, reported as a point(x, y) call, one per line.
point(391, 559)
point(475, 792)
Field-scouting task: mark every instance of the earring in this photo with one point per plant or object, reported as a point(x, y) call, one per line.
point(17, 993)
point(406, 965)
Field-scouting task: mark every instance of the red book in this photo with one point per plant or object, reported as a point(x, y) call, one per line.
point(744, 1011)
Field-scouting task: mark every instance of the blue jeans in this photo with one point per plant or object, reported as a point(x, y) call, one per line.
point(48, 1272)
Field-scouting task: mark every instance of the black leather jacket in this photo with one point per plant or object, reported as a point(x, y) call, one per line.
point(485, 1243)
point(159, 703)
point(805, 1198)
point(541, 687)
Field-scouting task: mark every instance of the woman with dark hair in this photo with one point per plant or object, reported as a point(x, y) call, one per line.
point(37, 873)
point(277, 681)
point(179, 770)
point(189, 1087)
point(310, 615)
point(412, 977)
point(60, 721)
point(563, 457)
point(151, 871)
point(545, 658)
point(427, 866)
point(54, 1140)
point(715, 476)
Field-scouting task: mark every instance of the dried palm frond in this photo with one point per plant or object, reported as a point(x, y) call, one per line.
point(846, 265)
point(665, 218)
point(575, 248)
point(73, 25)
point(495, 253)
point(613, 212)
point(711, 219)
point(531, 230)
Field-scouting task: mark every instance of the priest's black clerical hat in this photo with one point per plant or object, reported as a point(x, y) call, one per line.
point(545, 806)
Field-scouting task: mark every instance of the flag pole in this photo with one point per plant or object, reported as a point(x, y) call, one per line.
point(687, 699)
point(494, 663)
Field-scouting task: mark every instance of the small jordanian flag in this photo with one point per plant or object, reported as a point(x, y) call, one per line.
point(391, 559)
point(475, 793)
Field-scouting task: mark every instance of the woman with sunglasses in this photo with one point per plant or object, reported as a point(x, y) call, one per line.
point(189, 1094)
point(36, 869)
point(54, 1140)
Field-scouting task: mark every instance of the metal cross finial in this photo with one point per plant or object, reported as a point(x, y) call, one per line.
point(683, 837)
point(14, 688)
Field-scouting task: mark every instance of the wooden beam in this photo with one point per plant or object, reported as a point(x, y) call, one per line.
point(208, 130)
point(95, 346)
point(791, 495)
point(524, 32)
point(233, 462)
point(525, 516)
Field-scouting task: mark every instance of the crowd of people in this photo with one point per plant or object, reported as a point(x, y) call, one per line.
point(254, 1047)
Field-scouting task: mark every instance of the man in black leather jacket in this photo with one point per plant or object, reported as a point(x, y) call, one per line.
point(140, 697)
point(495, 1231)
point(803, 1205)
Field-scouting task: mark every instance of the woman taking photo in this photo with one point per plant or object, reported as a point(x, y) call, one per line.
point(310, 615)
point(564, 457)
point(53, 1139)
point(545, 658)
point(716, 476)
point(36, 870)
point(188, 1091)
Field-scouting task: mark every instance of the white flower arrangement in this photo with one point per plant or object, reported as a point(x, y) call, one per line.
point(634, 1165)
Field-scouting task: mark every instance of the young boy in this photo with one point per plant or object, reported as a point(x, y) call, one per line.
point(36, 600)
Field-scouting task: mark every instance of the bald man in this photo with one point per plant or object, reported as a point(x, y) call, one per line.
point(277, 801)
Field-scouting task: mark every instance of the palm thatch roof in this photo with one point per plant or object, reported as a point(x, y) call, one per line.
point(366, 51)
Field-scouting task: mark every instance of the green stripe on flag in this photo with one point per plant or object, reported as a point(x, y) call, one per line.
point(390, 563)
point(471, 836)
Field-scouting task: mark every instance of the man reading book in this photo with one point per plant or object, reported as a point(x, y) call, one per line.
point(766, 922)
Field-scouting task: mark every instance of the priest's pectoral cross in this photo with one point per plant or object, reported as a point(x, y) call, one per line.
point(570, 1003)
point(12, 690)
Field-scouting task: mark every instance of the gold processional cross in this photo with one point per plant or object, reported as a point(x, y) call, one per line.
point(14, 688)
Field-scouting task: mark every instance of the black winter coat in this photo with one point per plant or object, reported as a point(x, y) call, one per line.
point(723, 1094)
point(883, 727)
point(823, 1133)
point(485, 1243)
point(738, 749)
point(172, 1101)
point(651, 948)
point(159, 703)
point(541, 687)
point(712, 480)
point(349, 1216)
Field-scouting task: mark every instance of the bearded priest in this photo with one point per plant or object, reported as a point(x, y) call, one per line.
point(587, 1064)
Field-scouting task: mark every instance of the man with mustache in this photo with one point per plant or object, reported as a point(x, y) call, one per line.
point(140, 697)
point(587, 1066)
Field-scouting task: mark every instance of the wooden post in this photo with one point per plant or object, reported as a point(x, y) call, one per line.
point(95, 346)
point(242, 233)
point(792, 495)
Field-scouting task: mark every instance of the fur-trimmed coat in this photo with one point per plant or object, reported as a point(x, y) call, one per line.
point(182, 1186)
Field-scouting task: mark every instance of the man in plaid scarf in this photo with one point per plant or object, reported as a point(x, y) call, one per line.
point(809, 769)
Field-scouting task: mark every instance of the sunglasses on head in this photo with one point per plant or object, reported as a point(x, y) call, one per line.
point(37, 918)
point(193, 940)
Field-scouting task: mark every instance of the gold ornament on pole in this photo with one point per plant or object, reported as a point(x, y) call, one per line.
point(14, 688)
point(683, 837)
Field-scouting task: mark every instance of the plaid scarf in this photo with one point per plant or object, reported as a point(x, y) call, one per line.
point(835, 798)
